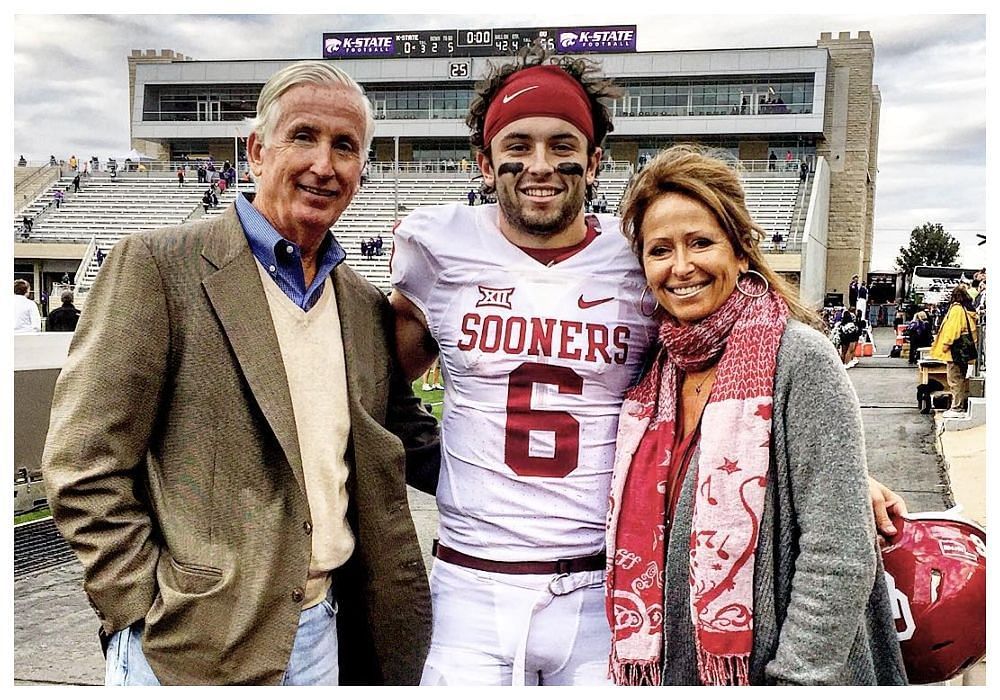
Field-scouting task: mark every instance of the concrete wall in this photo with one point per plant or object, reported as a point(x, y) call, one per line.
point(38, 359)
point(815, 237)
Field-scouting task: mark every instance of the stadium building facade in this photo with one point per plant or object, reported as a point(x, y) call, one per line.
point(772, 108)
point(812, 102)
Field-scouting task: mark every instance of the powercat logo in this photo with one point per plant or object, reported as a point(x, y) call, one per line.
point(336, 45)
point(596, 39)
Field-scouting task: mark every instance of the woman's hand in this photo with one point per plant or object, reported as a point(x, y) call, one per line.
point(884, 503)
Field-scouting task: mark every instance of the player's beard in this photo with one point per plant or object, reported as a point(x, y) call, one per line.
point(529, 220)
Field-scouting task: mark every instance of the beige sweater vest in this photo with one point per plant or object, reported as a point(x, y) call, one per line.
point(312, 351)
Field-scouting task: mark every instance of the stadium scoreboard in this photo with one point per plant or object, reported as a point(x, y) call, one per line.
point(461, 43)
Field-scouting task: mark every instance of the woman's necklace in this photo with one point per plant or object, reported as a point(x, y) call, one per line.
point(699, 385)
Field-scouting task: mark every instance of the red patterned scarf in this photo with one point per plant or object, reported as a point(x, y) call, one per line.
point(732, 462)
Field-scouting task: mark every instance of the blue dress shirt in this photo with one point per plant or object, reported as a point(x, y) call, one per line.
point(283, 260)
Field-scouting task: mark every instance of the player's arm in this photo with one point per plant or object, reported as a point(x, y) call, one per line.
point(415, 347)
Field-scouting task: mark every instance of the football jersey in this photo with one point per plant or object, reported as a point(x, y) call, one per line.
point(536, 360)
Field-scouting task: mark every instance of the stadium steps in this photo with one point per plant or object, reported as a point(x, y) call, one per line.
point(107, 210)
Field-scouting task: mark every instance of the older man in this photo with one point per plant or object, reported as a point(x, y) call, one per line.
point(221, 453)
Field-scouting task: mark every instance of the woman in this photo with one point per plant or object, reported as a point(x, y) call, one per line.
point(960, 318)
point(919, 335)
point(744, 546)
point(849, 332)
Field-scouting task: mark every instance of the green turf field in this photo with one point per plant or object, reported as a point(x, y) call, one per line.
point(432, 397)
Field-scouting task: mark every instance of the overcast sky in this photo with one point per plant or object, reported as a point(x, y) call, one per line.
point(71, 87)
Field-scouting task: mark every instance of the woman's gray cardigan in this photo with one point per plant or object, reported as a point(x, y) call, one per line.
point(822, 614)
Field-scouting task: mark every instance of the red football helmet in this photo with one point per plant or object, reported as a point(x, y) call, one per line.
point(935, 569)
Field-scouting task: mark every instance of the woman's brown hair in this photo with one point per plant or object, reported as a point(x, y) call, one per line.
point(711, 181)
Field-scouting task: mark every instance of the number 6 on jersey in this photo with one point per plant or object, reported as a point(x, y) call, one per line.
point(522, 419)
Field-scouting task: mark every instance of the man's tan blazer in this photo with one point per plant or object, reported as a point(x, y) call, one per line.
point(173, 468)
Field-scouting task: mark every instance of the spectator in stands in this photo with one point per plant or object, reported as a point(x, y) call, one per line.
point(76, 183)
point(100, 257)
point(852, 292)
point(364, 250)
point(65, 317)
point(789, 158)
point(180, 176)
point(604, 203)
point(803, 171)
point(243, 458)
point(221, 185)
point(472, 197)
point(26, 316)
point(378, 245)
point(772, 161)
point(21, 162)
point(72, 162)
point(57, 197)
point(201, 173)
point(52, 161)
point(95, 164)
point(27, 223)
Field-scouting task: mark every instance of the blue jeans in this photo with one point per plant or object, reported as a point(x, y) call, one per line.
point(313, 660)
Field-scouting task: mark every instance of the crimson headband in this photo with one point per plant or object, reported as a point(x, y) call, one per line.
point(539, 91)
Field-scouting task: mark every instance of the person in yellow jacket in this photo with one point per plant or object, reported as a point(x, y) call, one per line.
point(958, 318)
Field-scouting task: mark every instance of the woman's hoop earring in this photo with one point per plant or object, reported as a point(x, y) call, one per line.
point(767, 285)
point(642, 300)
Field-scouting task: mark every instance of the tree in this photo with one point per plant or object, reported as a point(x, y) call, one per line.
point(929, 244)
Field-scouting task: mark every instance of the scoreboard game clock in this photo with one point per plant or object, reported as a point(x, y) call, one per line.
point(503, 42)
point(462, 43)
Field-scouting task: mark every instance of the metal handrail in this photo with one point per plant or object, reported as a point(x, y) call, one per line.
point(81, 271)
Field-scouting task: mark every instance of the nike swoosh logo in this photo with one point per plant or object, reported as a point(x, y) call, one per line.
point(508, 98)
point(583, 304)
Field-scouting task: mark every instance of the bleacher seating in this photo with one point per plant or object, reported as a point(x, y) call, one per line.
point(109, 209)
point(772, 199)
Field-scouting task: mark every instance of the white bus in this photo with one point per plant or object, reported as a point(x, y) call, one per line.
point(933, 285)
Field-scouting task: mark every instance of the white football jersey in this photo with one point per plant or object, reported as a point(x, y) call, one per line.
point(536, 360)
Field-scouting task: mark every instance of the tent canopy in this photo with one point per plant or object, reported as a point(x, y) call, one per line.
point(133, 156)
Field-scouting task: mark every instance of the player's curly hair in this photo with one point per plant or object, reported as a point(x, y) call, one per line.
point(586, 72)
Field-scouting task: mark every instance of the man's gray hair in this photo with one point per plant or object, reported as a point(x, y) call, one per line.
point(305, 73)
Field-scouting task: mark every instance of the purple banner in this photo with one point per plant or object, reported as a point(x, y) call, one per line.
point(360, 45)
point(596, 39)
